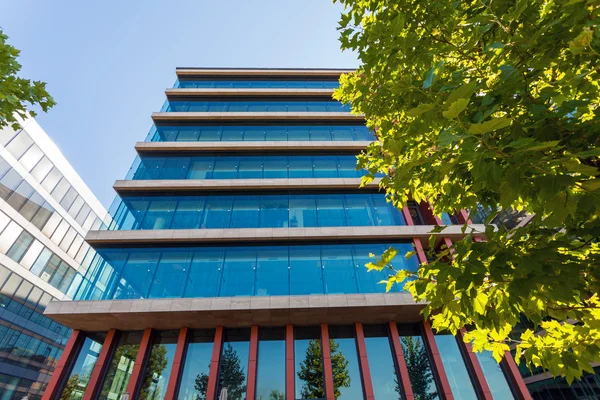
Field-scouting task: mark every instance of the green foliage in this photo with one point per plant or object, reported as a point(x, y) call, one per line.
point(15, 92)
point(492, 103)
point(70, 391)
point(154, 368)
point(311, 370)
point(419, 370)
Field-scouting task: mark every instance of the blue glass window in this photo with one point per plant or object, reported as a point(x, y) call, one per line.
point(386, 382)
point(256, 84)
point(270, 376)
point(455, 367)
point(494, 376)
point(310, 383)
point(245, 167)
point(233, 363)
point(131, 273)
point(418, 362)
point(343, 343)
point(257, 211)
point(164, 133)
point(119, 371)
point(253, 106)
point(194, 378)
point(158, 368)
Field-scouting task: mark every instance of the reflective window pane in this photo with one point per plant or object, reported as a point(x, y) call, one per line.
point(454, 365)
point(76, 383)
point(344, 363)
point(158, 367)
point(233, 363)
point(194, 378)
point(121, 365)
point(270, 375)
point(308, 360)
point(494, 376)
point(418, 362)
point(386, 383)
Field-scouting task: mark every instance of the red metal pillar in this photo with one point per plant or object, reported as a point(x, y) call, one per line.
point(93, 386)
point(514, 377)
point(401, 362)
point(364, 362)
point(327, 371)
point(138, 366)
point(252, 358)
point(473, 364)
point(178, 361)
point(214, 364)
point(437, 362)
point(62, 369)
point(290, 390)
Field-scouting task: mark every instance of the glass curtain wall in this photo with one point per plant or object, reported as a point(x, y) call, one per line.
point(384, 376)
point(233, 364)
point(455, 367)
point(119, 371)
point(308, 359)
point(131, 273)
point(76, 383)
point(256, 84)
point(158, 367)
point(345, 364)
point(194, 378)
point(224, 133)
point(253, 211)
point(254, 106)
point(270, 373)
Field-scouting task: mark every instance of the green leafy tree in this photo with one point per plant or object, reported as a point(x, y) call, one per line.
point(311, 370)
point(276, 395)
point(157, 363)
point(419, 370)
point(70, 388)
point(496, 104)
point(16, 92)
point(201, 385)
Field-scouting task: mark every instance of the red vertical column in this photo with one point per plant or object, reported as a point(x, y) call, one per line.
point(93, 386)
point(61, 370)
point(473, 364)
point(437, 362)
point(214, 364)
point(364, 362)
point(178, 361)
point(290, 379)
point(514, 377)
point(400, 361)
point(327, 371)
point(138, 366)
point(252, 357)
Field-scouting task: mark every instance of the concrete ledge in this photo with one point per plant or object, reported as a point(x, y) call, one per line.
point(168, 237)
point(239, 92)
point(193, 116)
point(331, 147)
point(232, 185)
point(234, 312)
point(266, 72)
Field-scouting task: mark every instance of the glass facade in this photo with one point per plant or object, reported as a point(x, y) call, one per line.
point(255, 211)
point(308, 359)
point(270, 374)
point(76, 383)
point(255, 84)
point(345, 364)
point(418, 362)
point(237, 133)
point(158, 367)
point(194, 378)
point(233, 364)
point(385, 378)
point(244, 167)
point(115, 382)
point(135, 273)
point(254, 106)
point(455, 367)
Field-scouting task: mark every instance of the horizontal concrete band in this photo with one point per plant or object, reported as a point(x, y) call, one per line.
point(251, 72)
point(102, 315)
point(193, 116)
point(232, 185)
point(337, 147)
point(166, 237)
point(263, 92)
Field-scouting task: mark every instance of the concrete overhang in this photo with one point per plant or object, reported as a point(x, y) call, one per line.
point(178, 237)
point(124, 187)
point(300, 117)
point(330, 147)
point(261, 72)
point(232, 312)
point(238, 92)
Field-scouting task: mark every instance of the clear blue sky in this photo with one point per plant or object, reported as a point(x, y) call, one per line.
point(107, 63)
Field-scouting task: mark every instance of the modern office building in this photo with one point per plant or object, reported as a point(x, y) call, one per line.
point(234, 262)
point(45, 213)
